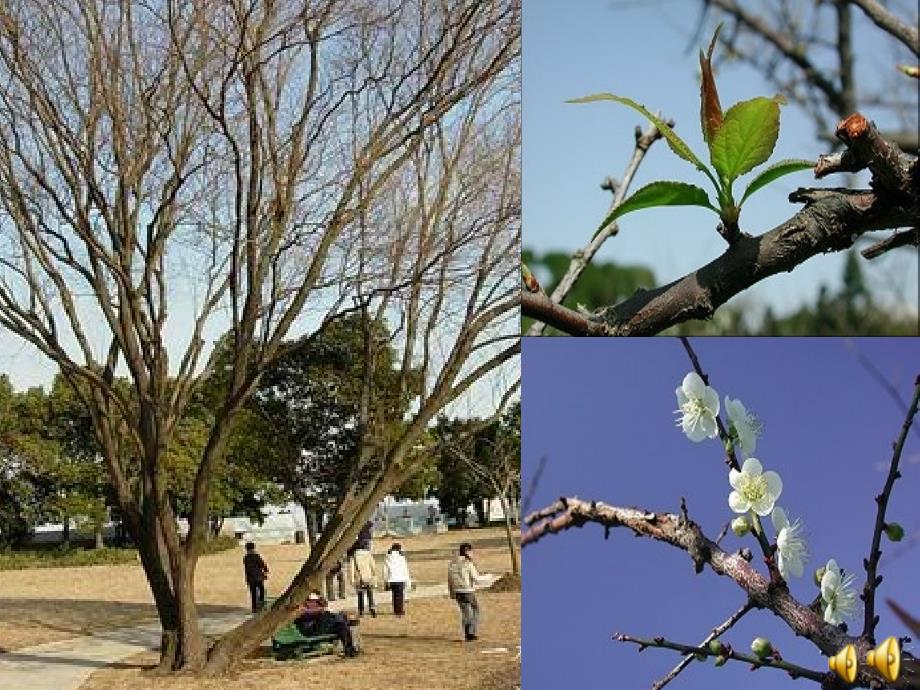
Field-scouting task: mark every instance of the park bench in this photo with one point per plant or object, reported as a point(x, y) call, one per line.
point(289, 643)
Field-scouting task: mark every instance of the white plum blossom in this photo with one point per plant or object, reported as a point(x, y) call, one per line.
point(743, 425)
point(838, 594)
point(699, 406)
point(791, 550)
point(754, 489)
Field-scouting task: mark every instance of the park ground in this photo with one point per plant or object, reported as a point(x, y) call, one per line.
point(424, 650)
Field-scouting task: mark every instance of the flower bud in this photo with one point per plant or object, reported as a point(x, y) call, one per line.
point(819, 575)
point(720, 660)
point(741, 526)
point(762, 648)
point(894, 531)
point(716, 647)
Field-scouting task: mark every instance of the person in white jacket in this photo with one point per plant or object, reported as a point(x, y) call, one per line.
point(396, 574)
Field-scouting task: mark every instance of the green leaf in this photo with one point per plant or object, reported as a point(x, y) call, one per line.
point(662, 193)
point(677, 144)
point(774, 172)
point(746, 138)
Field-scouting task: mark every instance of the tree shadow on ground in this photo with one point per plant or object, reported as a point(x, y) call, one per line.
point(34, 621)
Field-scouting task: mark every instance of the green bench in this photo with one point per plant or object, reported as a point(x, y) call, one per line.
point(289, 643)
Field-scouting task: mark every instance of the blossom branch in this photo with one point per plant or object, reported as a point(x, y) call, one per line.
point(871, 563)
point(569, 512)
point(716, 632)
point(732, 461)
point(582, 257)
point(826, 678)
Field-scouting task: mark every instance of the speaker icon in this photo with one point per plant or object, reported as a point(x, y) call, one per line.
point(844, 663)
point(886, 659)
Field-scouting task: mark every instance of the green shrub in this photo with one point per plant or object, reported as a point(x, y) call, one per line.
point(56, 558)
point(218, 544)
point(53, 557)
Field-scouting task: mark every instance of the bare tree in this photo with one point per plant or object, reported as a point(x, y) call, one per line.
point(491, 451)
point(168, 169)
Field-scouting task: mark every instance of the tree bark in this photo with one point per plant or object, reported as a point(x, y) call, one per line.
point(65, 534)
point(509, 535)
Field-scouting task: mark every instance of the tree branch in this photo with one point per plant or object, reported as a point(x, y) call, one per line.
point(582, 257)
point(684, 534)
point(889, 23)
point(899, 239)
point(714, 634)
point(832, 220)
point(755, 662)
point(539, 306)
point(875, 553)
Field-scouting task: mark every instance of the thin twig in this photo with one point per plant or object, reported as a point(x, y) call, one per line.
point(889, 23)
point(792, 669)
point(540, 307)
point(582, 257)
point(714, 634)
point(532, 487)
point(898, 239)
point(871, 563)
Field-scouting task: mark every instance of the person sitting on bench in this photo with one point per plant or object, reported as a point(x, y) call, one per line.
point(316, 619)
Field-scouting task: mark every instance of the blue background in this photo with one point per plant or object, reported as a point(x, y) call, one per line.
point(601, 413)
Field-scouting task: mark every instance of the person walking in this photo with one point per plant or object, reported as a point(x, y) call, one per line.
point(462, 576)
point(397, 577)
point(364, 579)
point(256, 573)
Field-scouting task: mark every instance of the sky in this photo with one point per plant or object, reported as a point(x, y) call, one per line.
point(601, 413)
point(643, 50)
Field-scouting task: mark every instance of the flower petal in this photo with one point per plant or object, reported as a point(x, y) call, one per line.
point(774, 484)
point(681, 397)
point(711, 400)
point(795, 566)
point(830, 583)
point(736, 479)
point(694, 429)
point(708, 425)
point(780, 521)
point(752, 467)
point(764, 505)
point(693, 385)
point(738, 503)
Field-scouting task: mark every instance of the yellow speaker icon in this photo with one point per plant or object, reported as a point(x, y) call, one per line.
point(886, 658)
point(844, 664)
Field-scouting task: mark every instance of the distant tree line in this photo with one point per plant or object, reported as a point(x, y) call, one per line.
point(295, 440)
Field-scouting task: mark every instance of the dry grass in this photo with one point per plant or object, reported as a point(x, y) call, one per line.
point(44, 605)
point(422, 651)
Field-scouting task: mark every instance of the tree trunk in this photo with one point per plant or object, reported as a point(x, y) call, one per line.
point(192, 652)
point(100, 540)
point(312, 531)
point(65, 534)
point(509, 534)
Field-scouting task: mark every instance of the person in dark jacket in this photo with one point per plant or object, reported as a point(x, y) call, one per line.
point(316, 619)
point(256, 574)
point(365, 537)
